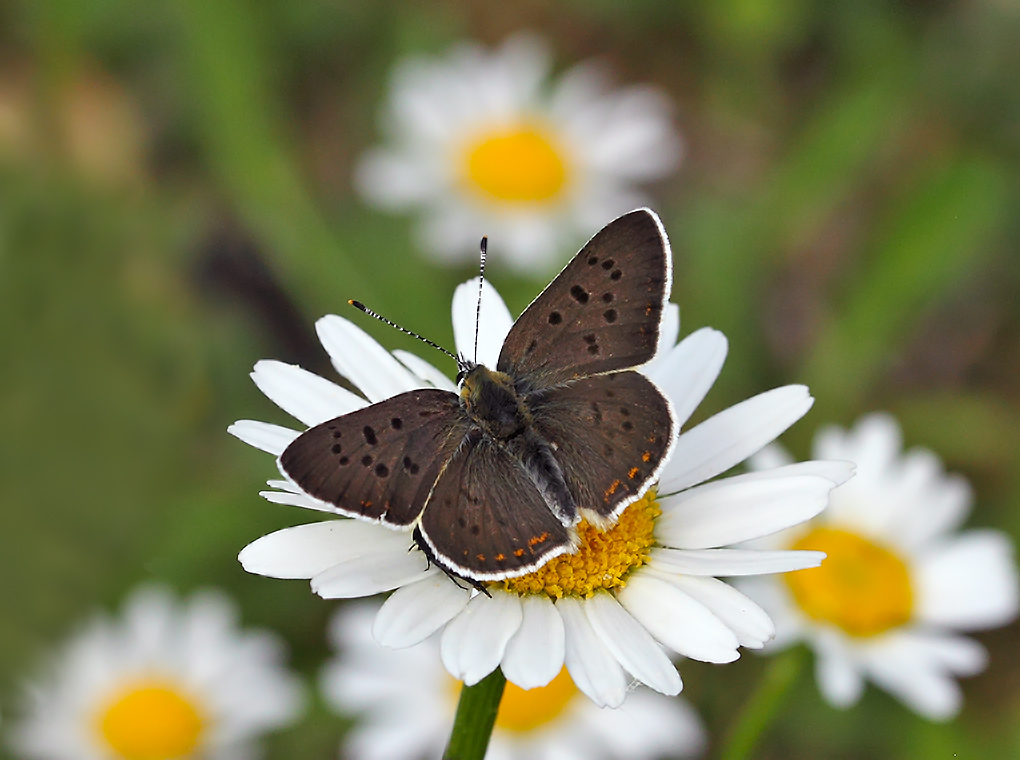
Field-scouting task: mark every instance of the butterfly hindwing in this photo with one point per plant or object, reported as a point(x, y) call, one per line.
point(379, 462)
point(486, 519)
point(601, 313)
point(611, 434)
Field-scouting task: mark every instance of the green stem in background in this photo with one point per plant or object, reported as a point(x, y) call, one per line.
point(476, 715)
point(763, 706)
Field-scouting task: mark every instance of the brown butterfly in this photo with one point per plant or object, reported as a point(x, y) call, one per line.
point(493, 480)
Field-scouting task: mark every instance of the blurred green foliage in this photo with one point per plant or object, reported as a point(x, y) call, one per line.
point(848, 213)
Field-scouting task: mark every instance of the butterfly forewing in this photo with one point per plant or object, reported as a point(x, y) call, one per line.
point(611, 434)
point(485, 519)
point(601, 313)
point(379, 462)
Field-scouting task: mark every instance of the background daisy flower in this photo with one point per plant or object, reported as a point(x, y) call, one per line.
point(167, 681)
point(482, 140)
point(602, 612)
point(405, 702)
point(899, 582)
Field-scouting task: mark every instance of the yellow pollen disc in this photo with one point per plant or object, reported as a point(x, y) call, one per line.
point(860, 587)
point(603, 559)
point(150, 721)
point(518, 165)
point(523, 710)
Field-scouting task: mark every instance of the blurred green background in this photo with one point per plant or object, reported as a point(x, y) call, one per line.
point(175, 203)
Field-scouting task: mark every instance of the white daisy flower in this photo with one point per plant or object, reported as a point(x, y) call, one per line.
point(899, 581)
point(405, 703)
point(604, 612)
point(481, 140)
point(166, 682)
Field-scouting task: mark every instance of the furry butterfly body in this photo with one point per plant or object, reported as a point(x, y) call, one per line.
point(494, 479)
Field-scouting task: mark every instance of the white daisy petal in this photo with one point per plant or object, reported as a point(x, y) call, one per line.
point(356, 356)
point(302, 394)
point(494, 322)
point(678, 621)
point(473, 643)
point(291, 499)
point(732, 562)
point(370, 574)
point(272, 439)
point(839, 677)
point(751, 624)
point(669, 331)
point(416, 611)
point(738, 509)
point(917, 668)
point(631, 644)
point(969, 582)
point(731, 436)
point(425, 371)
point(592, 666)
point(534, 656)
point(392, 179)
point(686, 372)
point(307, 550)
point(836, 472)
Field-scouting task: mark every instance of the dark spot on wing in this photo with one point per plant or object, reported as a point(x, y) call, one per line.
point(367, 460)
point(607, 297)
point(344, 461)
point(337, 434)
point(476, 529)
point(369, 433)
point(590, 338)
point(608, 264)
point(382, 470)
point(337, 448)
point(593, 349)
point(609, 315)
point(579, 294)
point(627, 425)
point(593, 260)
point(531, 347)
point(616, 275)
point(555, 318)
point(396, 423)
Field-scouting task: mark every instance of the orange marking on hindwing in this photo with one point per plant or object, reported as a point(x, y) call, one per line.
point(632, 473)
point(611, 490)
point(537, 539)
point(646, 457)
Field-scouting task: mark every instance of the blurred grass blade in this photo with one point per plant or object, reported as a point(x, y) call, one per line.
point(244, 140)
point(941, 231)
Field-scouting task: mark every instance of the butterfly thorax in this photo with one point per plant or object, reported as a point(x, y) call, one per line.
point(492, 402)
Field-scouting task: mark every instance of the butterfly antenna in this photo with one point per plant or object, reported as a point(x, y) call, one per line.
point(481, 279)
point(361, 307)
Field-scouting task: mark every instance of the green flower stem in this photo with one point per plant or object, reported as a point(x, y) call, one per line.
point(763, 706)
point(476, 715)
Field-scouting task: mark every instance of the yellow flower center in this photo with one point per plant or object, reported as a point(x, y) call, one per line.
point(516, 165)
point(603, 559)
point(151, 721)
point(861, 587)
point(522, 710)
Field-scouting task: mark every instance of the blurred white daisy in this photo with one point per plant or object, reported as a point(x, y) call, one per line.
point(166, 682)
point(405, 702)
point(899, 581)
point(650, 579)
point(480, 142)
